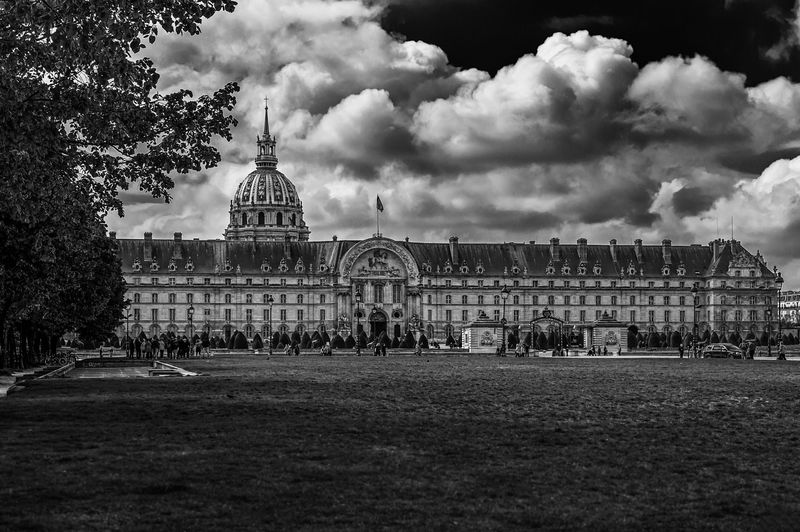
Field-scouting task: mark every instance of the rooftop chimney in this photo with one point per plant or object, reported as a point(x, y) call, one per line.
point(286, 249)
point(612, 246)
point(453, 249)
point(178, 237)
point(666, 250)
point(148, 246)
point(555, 251)
point(112, 235)
point(637, 247)
point(582, 250)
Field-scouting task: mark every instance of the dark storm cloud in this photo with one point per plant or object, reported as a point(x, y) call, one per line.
point(735, 35)
point(754, 163)
point(691, 201)
point(577, 22)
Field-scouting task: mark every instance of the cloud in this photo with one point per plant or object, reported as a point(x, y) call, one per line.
point(574, 140)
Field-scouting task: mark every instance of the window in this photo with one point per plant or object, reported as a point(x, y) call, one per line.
point(496, 315)
point(535, 300)
point(666, 284)
point(516, 315)
point(752, 273)
point(137, 298)
point(227, 314)
point(322, 314)
point(430, 315)
point(154, 280)
point(581, 300)
point(633, 316)
point(551, 284)
point(614, 314)
point(651, 316)
point(228, 282)
point(480, 283)
point(322, 299)
point(430, 299)
point(583, 316)
point(447, 283)
point(283, 299)
point(378, 289)
point(753, 315)
point(480, 300)
point(613, 300)
point(464, 283)
point(266, 314)
point(516, 284)
point(723, 315)
point(171, 281)
point(207, 313)
point(632, 300)
point(737, 315)
point(535, 314)
point(248, 313)
point(566, 284)
point(463, 300)
point(613, 284)
point(651, 300)
point(464, 315)
point(206, 298)
point(299, 299)
point(666, 316)
point(448, 315)
point(516, 300)
point(266, 281)
point(283, 314)
point(299, 282)
point(598, 314)
point(396, 293)
point(206, 280)
point(566, 315)
point(299, 314)
point(551, 300)
point(172, 314)
point(283, 282)
point(497, 284)
point(534, 283)
point(448, 299)
point(597, 284)
point(248, 282)
point(598, 300)
point(582, 284)
point(682, 300)
point(137, 281)
point(566, 300)
point(154, 314)
point(154, 298)
point(136, 314)
point(227, 298)
point(190, 298)
point(682, 316)
point(632, 284)
point(496, 300)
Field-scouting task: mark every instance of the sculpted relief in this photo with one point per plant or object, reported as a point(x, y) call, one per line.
point(379, 258)
point(378, 263)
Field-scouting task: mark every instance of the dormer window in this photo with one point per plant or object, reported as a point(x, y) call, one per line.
point(665, 270)
point(464, 268)
point(172, 267)
point(283, 267)
point(154, 266)
point(565, 269)
point(515, 270)
point(299, 267)
point(137, 266)
point(265, 267)
point(448, 268)
point(597, 270)
point(550, 270)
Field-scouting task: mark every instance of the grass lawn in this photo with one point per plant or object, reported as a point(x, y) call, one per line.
point(468, 443)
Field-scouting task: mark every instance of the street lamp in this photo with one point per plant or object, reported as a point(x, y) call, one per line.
point(270, 301)
point(768, 314)
point(358, 321)
point(694, 320)
point(779, 284)
point(127, 307)
point(190, 314)
point(504, 293)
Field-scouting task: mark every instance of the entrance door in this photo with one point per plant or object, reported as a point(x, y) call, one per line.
point(377, 323)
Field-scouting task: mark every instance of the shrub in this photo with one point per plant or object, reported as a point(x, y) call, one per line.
point(653, 340)
point(295, 338)
point(325, 337)
point(257, 342)
point(423, 341)
point(285, 340)
point(337, 342)
point(362, 339)
point(675, 339)
point(305, 341)
point(764, 339)
point(551, 340)
point(240, 341)
point(276, 339)
point(316, 339)
point(541, 341)
point(349, 342)
point(450, 342)
point(395, 342)
point(714, 338)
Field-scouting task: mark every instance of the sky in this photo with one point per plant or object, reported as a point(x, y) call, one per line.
point(504, 121)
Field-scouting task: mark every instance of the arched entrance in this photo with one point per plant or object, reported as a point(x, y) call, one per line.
point(377, 322)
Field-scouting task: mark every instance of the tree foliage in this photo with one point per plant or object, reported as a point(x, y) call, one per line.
point(81, 119)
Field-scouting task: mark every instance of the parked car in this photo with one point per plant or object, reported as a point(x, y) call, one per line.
point(722, 351)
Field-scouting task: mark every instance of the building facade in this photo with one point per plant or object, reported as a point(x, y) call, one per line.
point(221, 286)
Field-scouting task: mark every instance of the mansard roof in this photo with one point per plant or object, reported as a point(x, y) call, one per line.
point(496, 259)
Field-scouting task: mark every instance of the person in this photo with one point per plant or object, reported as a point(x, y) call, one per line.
point(146, 348)
point(198, 348)
point(418, 350)
point(207, 344)
point(781, 351)
point(376, 349)
point(605, 351)
point(101, 350)
point(680, 350)
point(527, 349)
point(383, 349)
point(137, 347)
point(156, 347)
point(287, 350)
point(751, 350)
point(297, 350)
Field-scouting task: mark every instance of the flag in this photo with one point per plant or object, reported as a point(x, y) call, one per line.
point(380, 205)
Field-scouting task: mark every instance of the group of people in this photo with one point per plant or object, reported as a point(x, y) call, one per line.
point(168, 347)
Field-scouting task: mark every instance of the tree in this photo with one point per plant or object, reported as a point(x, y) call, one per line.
point(675, 339)
point(81, 119)
point(257, 342)
point(423, 341)
point(285, 340)
point(349, 342)
point(764, 339)
point(276, 339)
point(362, 339)
point(337, 342)
point(240, 341)
point(714, 338)
point(305, 341)
point(541, 341)
point(408, 341)
point(653, 340)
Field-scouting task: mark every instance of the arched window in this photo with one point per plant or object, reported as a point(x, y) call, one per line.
point(261, 218)
point(293, 220)
point(397, 330)
point(244, 218)
point(279, 218)
point(248, 331)
point(430, 331)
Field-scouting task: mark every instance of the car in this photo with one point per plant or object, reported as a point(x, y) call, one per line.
point(722, 351)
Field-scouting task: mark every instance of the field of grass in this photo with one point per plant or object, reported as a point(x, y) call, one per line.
point(432, 443)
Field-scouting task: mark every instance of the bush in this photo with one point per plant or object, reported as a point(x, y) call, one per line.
point(296, 338)
point(511, 341)
point(541, 341)
point(450, 342)
point(528, 339)
point(395, 342)
point(349, 342)
point(551, 340)
point(276, 339)
point(653, 340)
point(408, 341)
point(724, 339)
point(305, 341)
point(764, 339)
point(285, 340)
point(362, 339)
point(337, 342)
point(423, 341)
point(229, 341)
point(714, 338)
point(257, 342)
point(675, 339)
point(240, 341)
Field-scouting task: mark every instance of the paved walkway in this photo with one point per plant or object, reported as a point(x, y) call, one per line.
point(103, 373)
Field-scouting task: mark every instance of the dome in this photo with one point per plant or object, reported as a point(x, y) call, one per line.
point(266, 186)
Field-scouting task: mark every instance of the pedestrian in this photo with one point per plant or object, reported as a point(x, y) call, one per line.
point(383, 349)
point(680, 350)
point(146, 348)
point(297, 350)
point(287, 350)
point(137, 347)
point(418, 350)
point(156, 347)
point(605, 351)
point(198, 348)
point(781, 351)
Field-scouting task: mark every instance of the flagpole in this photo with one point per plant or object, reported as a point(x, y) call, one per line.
point(378, 220)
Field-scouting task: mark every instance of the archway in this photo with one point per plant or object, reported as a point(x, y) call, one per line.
point(377, 322)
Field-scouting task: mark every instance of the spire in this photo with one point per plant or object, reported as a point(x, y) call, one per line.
point(266, 117)
point(265, 156)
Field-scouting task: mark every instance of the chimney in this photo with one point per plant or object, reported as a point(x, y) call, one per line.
point(666, 250)
point(453, 249)
point(176, 248)
point(716, 248)
point(612, 246)
point(582, 249)
point(555, 252)
point(637, 247)
point(112, 235)
point(178, 237)
point(148, 246)
point(533, 242)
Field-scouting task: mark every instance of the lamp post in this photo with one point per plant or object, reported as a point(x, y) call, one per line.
point(694, 320)
point(779, 285)
point(270, 301)
point(358, 323)
point(504, 293)
point(190, 314)
point(127, 307)
point(768, 314)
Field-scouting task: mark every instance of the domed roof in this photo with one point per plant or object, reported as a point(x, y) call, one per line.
point(266, 186)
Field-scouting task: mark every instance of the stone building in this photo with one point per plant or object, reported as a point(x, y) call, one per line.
point(435, 288)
